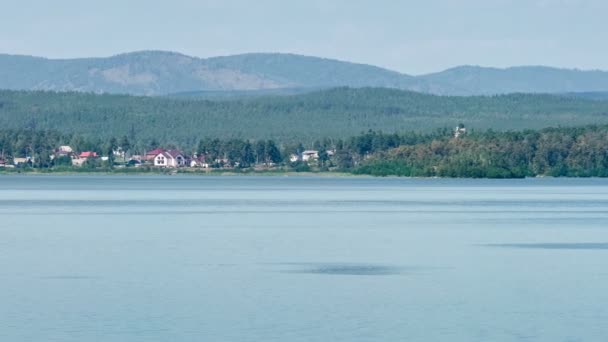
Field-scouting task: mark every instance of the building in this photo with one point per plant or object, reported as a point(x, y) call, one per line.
point(150, 155)
point(65, 149)
point(21, 161)
point(309, 155)
point(87, 155)
point(170, 158)
point(199, 161)
point(118, 152)
point(459, 131)
point(6, 164)
point(83, 157)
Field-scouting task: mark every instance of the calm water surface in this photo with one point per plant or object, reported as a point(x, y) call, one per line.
point(146, 258)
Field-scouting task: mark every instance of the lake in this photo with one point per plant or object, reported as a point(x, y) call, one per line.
point(179, 258)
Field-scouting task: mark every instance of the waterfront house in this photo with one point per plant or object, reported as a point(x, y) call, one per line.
point(170, 158)
point(83, 157)
point(199, 161)
point(21, 161)
point(65, 149)
point(151, 155)
point(309, 155)
point(87, 154)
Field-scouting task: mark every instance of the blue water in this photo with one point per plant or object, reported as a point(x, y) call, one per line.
point(172, 258)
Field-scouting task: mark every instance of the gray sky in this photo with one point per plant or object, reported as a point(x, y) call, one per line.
point(409, 36)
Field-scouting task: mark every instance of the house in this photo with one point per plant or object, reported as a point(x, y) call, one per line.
point(87, 155)
point(294, 158)
point(83, 157)
point(20, 161)
point(199, 161)
point(60, 153)
point(150, 155)
point(459, 131)
point(119, 152)
point(5, 164)
point(310, 155)
point(65, 149)
point(170, 158)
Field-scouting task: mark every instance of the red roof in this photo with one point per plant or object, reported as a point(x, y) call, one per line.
point(155, 152)
point(88, 154)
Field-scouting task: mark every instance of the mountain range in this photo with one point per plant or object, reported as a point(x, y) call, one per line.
point(156, 73)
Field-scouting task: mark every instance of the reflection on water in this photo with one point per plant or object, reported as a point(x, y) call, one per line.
point(343, 269)
point(590, 245)
point(70, 277)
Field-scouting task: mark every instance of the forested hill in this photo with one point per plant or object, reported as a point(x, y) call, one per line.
point(334, 113)
point(163, 73)
point(468, 80)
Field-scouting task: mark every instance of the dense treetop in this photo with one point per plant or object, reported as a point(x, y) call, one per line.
point(334, 113)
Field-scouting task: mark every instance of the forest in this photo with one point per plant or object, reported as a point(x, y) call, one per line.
point(572, 152)
point(302, 118)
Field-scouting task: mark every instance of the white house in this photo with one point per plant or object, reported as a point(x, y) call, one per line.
point(199, 161)
point(170, 158)
point(65, 149)
point(310, 155)
point(459, 130)
point(19, 161)
point(294, 158)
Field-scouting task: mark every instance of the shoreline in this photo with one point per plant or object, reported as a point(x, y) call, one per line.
point(192, 173)
point(216, 173)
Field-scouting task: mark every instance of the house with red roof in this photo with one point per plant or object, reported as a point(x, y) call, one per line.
point(87, 154)
point(170, 158)
point(150, 155)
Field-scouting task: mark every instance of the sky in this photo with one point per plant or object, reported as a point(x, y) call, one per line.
point(413, 37)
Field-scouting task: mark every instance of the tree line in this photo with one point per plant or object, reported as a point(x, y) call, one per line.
point(575, 152)
point(572, 152)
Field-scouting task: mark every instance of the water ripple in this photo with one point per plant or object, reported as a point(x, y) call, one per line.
point(575, 246)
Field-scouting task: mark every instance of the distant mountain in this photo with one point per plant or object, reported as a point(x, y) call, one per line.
point(163, 73)
point(598, 95)
point(474, 80)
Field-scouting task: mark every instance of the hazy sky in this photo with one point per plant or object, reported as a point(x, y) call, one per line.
point(408, 36)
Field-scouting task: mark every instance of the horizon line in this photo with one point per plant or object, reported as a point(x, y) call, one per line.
point(500, 68)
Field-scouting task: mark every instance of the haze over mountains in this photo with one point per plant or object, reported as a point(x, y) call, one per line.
point(164, 73)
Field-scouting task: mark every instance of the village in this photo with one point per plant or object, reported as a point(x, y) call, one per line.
point(230, 157)
point(158, 158)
